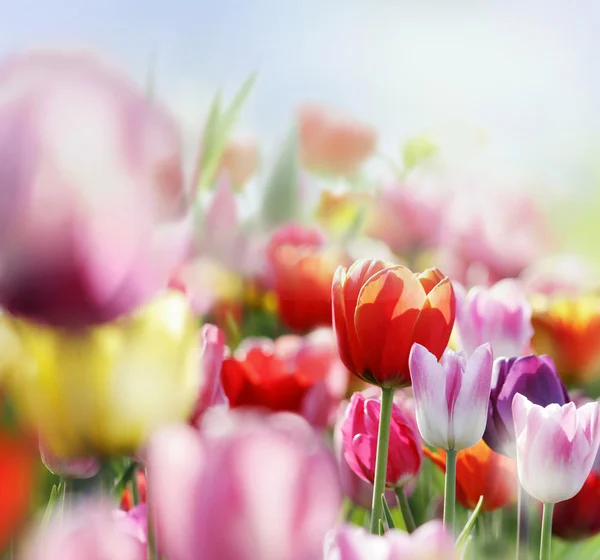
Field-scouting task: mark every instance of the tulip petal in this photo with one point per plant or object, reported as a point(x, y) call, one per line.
point(388, 306)
point(339, 318)
point(469, 414)
point(434, 324)
point(429, 389)
point(430, 278)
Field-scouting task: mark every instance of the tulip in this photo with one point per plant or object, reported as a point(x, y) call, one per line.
point(82, 467)
point(91, 530)
point(292, 373)
point(103, 390)
point(568, 329)
point(359, 430)
point(301, 274)
point(481, 472)
point(428, 542)
point(95, 214)
point(332, 143)
point(239, 160)
point(579, 516)
point(246, 487)
point(212, 341)
point(451, 400)
point(381, 310)
point(534, 377)
point(451, 397)
point(556, 449)
point(560, 275)
point(500, 315)
point(17, 481)
point(127, 500)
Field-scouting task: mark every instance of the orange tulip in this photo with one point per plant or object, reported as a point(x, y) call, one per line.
point(481, 472)
point(239, 160)
point(568, 330)
point(17, 466)
point(332, 143)
point(380, 310)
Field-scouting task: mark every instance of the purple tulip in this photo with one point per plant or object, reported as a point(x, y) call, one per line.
point(246, 486)
point(83, 467)
point(556, 447)
point(534, 377)
point(429, 542)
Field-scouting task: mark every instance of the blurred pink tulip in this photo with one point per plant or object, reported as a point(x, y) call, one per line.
point(239, 160)
point(556, 447)
point(407, 218)
point(90, 531)
point(490, 234)
point(570, 275)
point(212, 341)
point(245, 487)
point(429, 542)
point(94, 214)
point(333, 143)
point(500, 315)
point(85, 467)
point(359, 429)
point(451, 396)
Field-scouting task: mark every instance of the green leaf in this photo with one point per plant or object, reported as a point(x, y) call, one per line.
point(217, 130)
point(588, 549)
point(387, 513)
point(461, 540)
point(281, 197)
point(54, 493)
point(381, 528)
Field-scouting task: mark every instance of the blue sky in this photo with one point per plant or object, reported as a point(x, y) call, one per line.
point(522, 74)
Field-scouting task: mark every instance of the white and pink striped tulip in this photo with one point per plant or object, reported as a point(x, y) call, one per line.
point(556, 447)
point(451, 396)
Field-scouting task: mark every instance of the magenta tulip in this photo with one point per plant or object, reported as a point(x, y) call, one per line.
point(94, 214)
point(556, 447)
point(451, 397)
point(359, 430)
point(247, 486)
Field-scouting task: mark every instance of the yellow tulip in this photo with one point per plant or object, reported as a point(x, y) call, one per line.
point(103, 390)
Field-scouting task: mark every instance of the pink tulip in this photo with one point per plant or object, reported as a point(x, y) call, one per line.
point(90, 531)
point(556, 447)
point(429, 542)
point(500, 315)
point(246, 487)
point(359, 430)
point(451, 396)
point(212, 340)
point(95, 217)
point(333, 143)
point(84, 467)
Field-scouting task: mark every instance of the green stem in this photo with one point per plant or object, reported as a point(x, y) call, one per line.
point(135, 489)
point(450, 490)
point(546, 532)
point(522, 523)
point(383, 441)
point(409, 521)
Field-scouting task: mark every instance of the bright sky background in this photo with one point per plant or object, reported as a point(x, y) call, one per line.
point(523, 74)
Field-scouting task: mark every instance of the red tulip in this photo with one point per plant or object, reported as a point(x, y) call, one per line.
point(293, 373)
point(380, 310)
point(127, 498)
point(301, 273)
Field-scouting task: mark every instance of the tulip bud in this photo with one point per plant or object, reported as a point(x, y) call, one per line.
point(381, 310)
point(451, 397)
point(500, 315)
point(429, 542)
point(94, 211)
point(535, 378)
point(103, 390)
point(359, 430)
point(556, 447)
point(215, 493)
point(84, 467)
